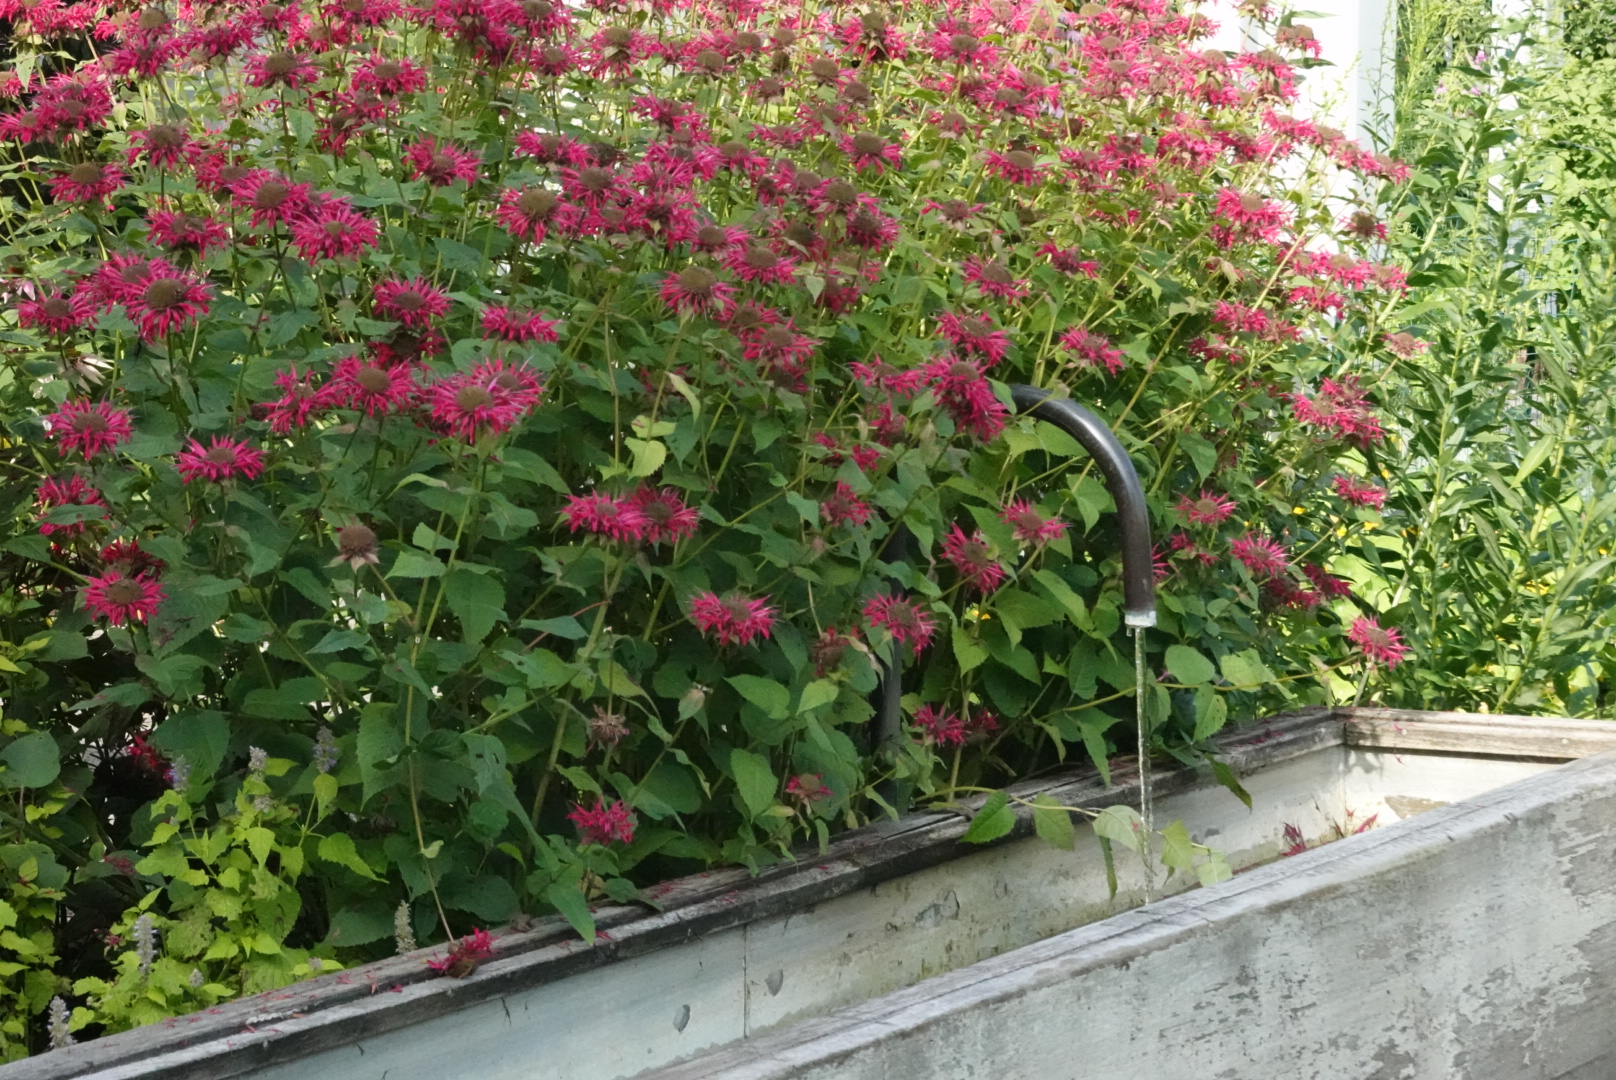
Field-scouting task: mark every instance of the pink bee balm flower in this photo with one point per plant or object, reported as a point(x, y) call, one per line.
point(53, 314)
point(439, 163)
point(757, 263)
point(167, 301)
point(696, 290)
point(867, 150)
point(844, 507)
point(1262, 556)
point(1017, 166)
point(530, 212)
point(507, 324)
point(903, 619)
point(69, 492)
point(663, 515)
point(89, 427)
point(1028, 525)
point(951, 729)
point(271, 197)
point(413, 302)
point(1360, 492)
point(223, 459)
point(333, 230)
point(1205, 509)
point(388, 77)
point(974, 335)
point(732, 619)
point(175, 231)
point(1246, 218)
point(490, 398)
point(89, 182)
point(599, 513)
point(464, 955)
point(994, 278)
point(163, 146)
point(973, 559)
point(1091, 350)
point(808, 788)
point(121, 599)
point(1383, 645)
point(292, 70)
point(604, 824)
point(370, 388)
point(967, 396)
point(300, 397)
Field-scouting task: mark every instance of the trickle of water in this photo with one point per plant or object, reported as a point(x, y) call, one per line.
point(1146, 802)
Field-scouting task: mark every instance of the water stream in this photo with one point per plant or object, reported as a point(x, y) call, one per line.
point(1146, 807)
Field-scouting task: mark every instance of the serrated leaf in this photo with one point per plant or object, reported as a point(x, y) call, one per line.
point(339, 848)
point(416, 564)
point(766, 694)
point(993, 820)
point(574, 908)
point(1188, 665)
point(968, 652)
point(1211, 712)
point(31, 761)
point(1121, 824)
point(754, 780)
point(1053, 822)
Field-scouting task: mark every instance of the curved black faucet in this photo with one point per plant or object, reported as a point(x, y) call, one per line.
point(1138, 554)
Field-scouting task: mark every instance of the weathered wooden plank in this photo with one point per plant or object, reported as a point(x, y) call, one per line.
point(1475, 734)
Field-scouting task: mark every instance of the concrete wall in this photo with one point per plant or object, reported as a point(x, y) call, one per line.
point(1476, 942)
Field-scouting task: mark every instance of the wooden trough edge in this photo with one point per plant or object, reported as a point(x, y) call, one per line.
point(386, 995)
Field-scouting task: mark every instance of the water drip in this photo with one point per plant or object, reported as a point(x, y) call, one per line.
point(1146, 800)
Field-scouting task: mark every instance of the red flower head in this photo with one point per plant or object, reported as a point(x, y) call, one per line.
point(177, 231)
point(604, 824)
point(162, 146)
point(1245, 218)
point(89, 427)
point(270, 197)
point(1206, 509)
point(663, 515)
point(808, 788)
point(370, 388)
point(121, 599)
point(599, 513)
point(757, 263)
point(489, 399)
point(127, 556)
point(465, 955)
point(994, 278)
point(967, 396)
point(906, 621)
point(732, 619)
point(530, 212)
point(867, 150)
point(1091, 350)
point(90, 182)
point(1379, 645)
point(388, 77)
point(1017, 166)
point(168, 300)
point(439, 163)
point(72, 491)
point(415, 302)
point(54, 314)
point(697, 290)
point(225, 459)
point(333, 229)
point(973, 559)
point(1360, 492)
point(505, 324)
point(1262, 556)
point(844, 508)
point(300, 398)
point(293, 70)
point(974, 335)
point(1029, 526)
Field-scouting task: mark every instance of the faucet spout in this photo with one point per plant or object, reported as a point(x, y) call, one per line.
point(1121, 480)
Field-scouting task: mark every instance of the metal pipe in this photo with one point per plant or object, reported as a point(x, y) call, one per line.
point(1121, 480)
point(1138, 554)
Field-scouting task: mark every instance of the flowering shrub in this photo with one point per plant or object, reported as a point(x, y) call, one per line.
point(499, 412)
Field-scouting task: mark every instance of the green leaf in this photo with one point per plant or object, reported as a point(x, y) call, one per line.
point(1122, 825)
point(968, 652)
point(816, 694)
point(649, 456)
point(260, 841)
point(1246, 669)
point(200, 736)
point(574, 908)
point(755, 781)
point(477, 600)
point(993, 820)
point(1178, 851)
point(1214, 868)
point(1536, 456)
point(1200, 451)
point(338, 640)
point(768, 695)
point(1053, 822)
point(1211, 712)
point(1188, 665)
point(1228, 779)
point(339, 848)
point(31, 761)
point(416, 564)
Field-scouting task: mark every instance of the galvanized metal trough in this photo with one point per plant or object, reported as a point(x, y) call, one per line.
point(1471, 933)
